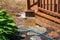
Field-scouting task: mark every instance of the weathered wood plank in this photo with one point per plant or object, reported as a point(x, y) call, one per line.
point(46, 23)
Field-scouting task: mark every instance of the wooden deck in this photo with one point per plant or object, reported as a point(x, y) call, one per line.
point(47, 14)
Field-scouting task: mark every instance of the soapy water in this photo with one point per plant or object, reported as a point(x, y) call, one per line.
point(35, 38)
point(28, 30)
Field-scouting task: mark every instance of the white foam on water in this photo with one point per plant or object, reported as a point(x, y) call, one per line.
point(35, 38)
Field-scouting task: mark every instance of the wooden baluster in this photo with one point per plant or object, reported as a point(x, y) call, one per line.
point(50, 5)
point(44, 4)
point(39, 3)
point(55, 6)
point(33, 1)
point(47, 4)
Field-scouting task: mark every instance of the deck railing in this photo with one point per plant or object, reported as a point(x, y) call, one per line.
point(52, 5)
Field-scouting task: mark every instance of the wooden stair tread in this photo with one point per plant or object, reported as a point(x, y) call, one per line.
point(48, 17)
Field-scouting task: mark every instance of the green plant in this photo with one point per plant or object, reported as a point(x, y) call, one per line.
point(8, 27)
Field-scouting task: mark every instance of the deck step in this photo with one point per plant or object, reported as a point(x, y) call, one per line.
point(54, 19)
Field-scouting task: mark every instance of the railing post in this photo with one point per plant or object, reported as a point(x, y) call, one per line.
point(28, 4)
